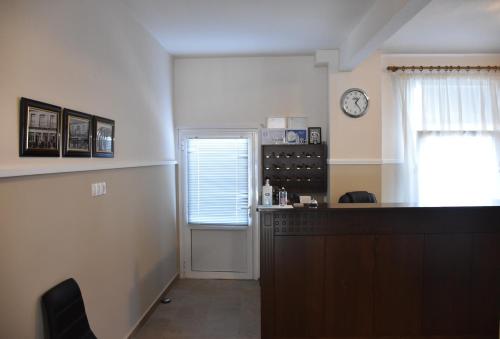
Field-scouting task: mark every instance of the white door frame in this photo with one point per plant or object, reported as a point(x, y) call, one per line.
point(252, 229)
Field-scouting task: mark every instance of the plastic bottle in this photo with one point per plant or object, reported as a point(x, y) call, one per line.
point(282, 197)
point(267, 194)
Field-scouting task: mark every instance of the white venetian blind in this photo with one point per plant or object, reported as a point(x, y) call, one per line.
point(218, 181)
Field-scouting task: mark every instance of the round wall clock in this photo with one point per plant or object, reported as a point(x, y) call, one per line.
point(354, 102)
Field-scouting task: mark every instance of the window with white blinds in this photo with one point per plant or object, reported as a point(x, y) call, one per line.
point(217, 175)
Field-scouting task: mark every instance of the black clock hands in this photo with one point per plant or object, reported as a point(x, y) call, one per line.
point(356, 102)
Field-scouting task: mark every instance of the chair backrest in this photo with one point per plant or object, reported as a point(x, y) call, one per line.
point(65, 312)
point(358, 197)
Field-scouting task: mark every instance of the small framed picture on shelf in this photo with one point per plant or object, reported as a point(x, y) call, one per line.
point(296, 136)
point(103, 145)
point(39, 129)
point(314, 135)
point(77, 134)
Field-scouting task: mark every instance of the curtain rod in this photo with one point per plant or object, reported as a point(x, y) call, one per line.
point(442, 68)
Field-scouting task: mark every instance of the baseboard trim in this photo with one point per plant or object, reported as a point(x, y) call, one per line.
point(217, 275)
point(140, 323)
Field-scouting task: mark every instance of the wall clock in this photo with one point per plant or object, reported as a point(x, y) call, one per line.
point(354, 102)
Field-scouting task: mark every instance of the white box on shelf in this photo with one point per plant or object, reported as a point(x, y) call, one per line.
point(296, 123)
point(276, 122)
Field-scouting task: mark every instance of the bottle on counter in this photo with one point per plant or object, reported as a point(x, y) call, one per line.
point(282, 197)
point(267, 194)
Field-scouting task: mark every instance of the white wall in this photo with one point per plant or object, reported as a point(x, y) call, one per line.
point(122, 247)
point(243, 91)
point(356, 138)
point(354, 143)
point(92, 57)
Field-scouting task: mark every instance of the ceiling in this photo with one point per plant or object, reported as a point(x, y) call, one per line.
point(291, 27)
point(248, 27)
point(450, 26)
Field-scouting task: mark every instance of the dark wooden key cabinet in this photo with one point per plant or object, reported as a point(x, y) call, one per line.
point(298, 168)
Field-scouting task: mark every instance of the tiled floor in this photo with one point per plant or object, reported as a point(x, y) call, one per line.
point(207, 309)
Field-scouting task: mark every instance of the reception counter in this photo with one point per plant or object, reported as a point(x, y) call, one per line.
point(380, 271)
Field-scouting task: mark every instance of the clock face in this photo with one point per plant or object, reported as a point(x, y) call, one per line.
point(354, 102)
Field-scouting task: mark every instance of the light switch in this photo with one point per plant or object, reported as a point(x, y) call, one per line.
point(98, 189)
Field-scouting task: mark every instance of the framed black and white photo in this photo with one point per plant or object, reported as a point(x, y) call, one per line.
point(39, 129)
point(77, 134)
point(314, 135)
point(103, 145)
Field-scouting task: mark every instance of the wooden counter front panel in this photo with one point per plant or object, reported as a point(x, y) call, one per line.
point(398, 281)
point(348, 286)
point(299, 267)
point(485, 295)
point(337, 275)
point(447, 281)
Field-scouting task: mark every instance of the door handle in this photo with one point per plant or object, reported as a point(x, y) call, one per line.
point(249, 208)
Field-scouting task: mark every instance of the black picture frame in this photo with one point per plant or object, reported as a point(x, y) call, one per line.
point(314, 135)
point(76, 141)
point(39, 129)
point(103, 141)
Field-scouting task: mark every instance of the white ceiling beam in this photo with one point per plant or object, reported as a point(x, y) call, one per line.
point(329, 58)
point(384, 19)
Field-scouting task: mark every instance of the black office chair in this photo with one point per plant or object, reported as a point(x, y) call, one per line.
point(65, 312)
point(358, 197)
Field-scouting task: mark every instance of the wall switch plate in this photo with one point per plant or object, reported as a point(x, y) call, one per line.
point(98, 189)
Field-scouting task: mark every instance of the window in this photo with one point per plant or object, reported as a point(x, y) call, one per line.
point(451, 137)
point(217, 179)
point(457, 167)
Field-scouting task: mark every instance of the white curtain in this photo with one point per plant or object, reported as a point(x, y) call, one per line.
point(451, 124)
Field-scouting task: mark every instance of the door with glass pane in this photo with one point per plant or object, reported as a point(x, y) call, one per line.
point(217, 188)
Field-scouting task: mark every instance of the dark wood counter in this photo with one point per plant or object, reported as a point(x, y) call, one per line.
point(380, 271)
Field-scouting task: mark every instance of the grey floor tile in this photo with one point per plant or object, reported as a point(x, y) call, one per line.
point(207, 309)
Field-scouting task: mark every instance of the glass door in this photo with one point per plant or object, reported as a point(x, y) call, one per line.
point(218, 172)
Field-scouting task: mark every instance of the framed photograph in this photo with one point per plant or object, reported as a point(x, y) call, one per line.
point(296, 136)
point(39, 129)
point(103, 145)
point(314, 135)
point(77, 134)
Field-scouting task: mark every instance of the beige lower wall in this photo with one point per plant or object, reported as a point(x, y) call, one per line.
point(121, 247)
point(347, 178)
